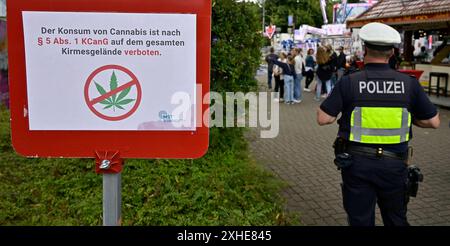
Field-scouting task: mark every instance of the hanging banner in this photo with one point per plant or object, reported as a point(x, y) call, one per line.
point(335, 29)
point(290, 20)
point(313, 30)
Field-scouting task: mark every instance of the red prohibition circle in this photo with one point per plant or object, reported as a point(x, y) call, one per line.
point(134, 82)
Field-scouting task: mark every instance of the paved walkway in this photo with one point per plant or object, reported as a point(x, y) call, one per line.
point(302, 156)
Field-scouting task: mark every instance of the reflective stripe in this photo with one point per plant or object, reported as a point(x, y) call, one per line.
point(380, 135)
point(380, 132)
point(406, 122)
point(357, 118)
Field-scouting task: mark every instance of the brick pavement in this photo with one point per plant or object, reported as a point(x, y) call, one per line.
point(302, 156)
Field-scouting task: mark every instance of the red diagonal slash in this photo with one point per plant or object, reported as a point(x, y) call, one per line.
point(134, 82)
point(113, 92)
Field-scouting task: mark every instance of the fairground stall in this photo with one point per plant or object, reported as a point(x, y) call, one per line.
point(425, 28)
point(338, 35)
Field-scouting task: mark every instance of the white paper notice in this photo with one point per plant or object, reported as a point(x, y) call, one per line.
point(110, 71)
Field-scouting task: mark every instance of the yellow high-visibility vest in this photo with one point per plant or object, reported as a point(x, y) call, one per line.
point(380, 125)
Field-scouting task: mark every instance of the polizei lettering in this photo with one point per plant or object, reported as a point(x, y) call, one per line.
point(382, 87)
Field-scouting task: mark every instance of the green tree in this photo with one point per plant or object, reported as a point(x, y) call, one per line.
point(304, 12)
point(237, 40)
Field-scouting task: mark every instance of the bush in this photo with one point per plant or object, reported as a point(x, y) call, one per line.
point(224, 188)
point(237, 41)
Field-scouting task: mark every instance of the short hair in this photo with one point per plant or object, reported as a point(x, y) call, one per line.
point(272, 50)
point(379, 53)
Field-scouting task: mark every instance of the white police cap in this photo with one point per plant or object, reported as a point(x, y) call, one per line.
point(379, 34)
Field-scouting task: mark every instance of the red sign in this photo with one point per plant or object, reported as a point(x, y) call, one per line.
point(415, 73)
point(86, 144)
point(270, 31)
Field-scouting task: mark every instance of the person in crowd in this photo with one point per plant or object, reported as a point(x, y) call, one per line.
point(423, 55)
point(269, 58)
point(353, 66)
point(279, 77)
point(333, 59)
point(310, 64)
point(289, 77)
point(324, 71)
point(341, 63)
point(299, 68)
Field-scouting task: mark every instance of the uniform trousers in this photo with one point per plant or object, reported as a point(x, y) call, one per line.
point(370, 181)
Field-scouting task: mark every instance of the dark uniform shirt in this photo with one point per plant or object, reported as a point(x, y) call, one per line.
point(269, 60)
point(341, 101)
point(288, 69)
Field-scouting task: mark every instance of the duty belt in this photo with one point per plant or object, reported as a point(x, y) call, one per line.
point(375, 152)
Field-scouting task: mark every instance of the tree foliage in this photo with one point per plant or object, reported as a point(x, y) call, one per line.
point(304, 12)
point(237, 41)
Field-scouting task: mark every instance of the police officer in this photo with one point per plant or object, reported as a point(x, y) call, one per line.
point(378, 107)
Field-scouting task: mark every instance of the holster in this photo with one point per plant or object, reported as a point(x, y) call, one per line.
point(340, 145)
point(343, 160)
point(415, 177)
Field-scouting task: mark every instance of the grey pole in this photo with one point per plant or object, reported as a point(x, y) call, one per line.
point(264, 16)
point(112, 196)
point(112, 199)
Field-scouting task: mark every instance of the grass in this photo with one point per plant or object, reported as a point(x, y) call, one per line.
point(226, 187)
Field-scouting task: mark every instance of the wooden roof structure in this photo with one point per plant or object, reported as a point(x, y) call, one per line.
point(410, 14)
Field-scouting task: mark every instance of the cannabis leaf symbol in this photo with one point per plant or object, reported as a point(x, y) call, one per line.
point(114, 101)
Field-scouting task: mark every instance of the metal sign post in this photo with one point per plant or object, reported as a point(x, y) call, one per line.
point(112, 196)
point(109, 164)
